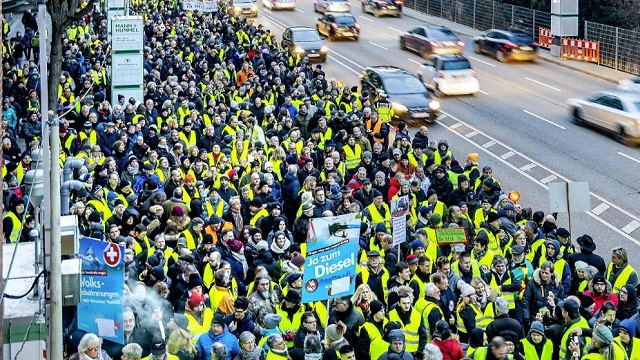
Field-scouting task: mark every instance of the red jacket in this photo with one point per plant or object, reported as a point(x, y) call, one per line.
point(449, 348)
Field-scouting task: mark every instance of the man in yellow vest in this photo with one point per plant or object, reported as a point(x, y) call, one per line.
point(619, 271)
point(291, 311)
point(412, 326)
point(378, 211)
point(372, 330)
point(257, 212)
point(12, 221)
point(374, 275)
point(572, 322)
point(627, 339)
point(536, 346)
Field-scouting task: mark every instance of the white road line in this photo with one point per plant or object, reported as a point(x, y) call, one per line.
point(300, 11)
point(548, 179)
point(343, 64)
point(629, 157)
point(528, 167)
point(543, 119)
point(471, 134)
point(394, 29)
point(365, 18)
point(488, 144)
point(347, 59)
point(543, 84)
point(482, 61)
point(544, 186)
point(630, 227)
point(380, 46)
point(413, 61)
point(507, 155)
point(455, 126)
point(483, 92)
point(600, 208)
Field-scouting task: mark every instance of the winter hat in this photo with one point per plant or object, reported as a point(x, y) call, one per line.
point(246, 337)
point(195, 300)
point(537, 327)
point(271, 321)
point(262, 245)
point(158, 272)
point(417, 244)
point(181, 321)
point(629, 325)
point(396, 335)
point(435, 219)
point(375, 306)
point(297, 260)
point(599, 278)
point(194, 280)
point(235, 245)
point(111, 196)
point(603, 333)
point(177, 211)
point(333, 333)
point(412, 259)
point(442, 330)
point(218, 318)
point(631, 292)
point(467, 290)
point(492, 216)
point(95, 217)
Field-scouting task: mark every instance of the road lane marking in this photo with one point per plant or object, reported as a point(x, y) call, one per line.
point(600, 208)
point(548, 179)
point(543, 119)
point(488, 144)
point(507, 155)
point(482, 61)
point(471, 134)
point(396, 30)
point(413, 61)
point(543, 84)
point(528, 167)
point(380, 46)
point(365, 18)
point(629, 157)
point(630, 227)
point(344, 65)
point(455, 126)
point(538, 182)
point(300, 11)
point(347, 59)
point(483, 92)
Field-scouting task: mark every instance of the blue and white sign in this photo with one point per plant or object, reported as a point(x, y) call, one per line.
point(332, 251)
point(101, 289)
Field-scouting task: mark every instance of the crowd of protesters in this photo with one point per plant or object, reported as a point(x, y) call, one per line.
point(210, 181)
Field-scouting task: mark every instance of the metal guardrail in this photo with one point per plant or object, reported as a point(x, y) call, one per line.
point(619, 48)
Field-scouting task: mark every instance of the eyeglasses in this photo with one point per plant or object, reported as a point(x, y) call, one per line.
point(311, 322)
point(92, 349)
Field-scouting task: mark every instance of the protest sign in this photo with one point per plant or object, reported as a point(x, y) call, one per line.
point(450, 236)
point(399, 211)
point(198, 5)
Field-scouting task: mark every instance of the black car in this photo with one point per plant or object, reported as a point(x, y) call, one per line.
point(338, 26)
point(408, 96)
point(305, 41)
point(505, 45)
point(427, 40)
point(382, 7)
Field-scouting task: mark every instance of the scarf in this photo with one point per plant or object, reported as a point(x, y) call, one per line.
point(256, 353)
point(133, 171)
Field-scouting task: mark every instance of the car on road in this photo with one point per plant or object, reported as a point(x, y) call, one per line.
point(408, 96)
point(338, 26)
point(630, 84)
point(614, 111)
point(449, 75)
point(382, 7)
point(505, 45)
point(305, 41)
point(247, 8)
point(427, 40)
point(323, 6)
point(279, 4)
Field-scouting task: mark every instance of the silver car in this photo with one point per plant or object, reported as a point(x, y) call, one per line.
point(614, 111)
point(449, 75)
point(323, 6)
point(245, 7)
point(279, 4)
point(630, 84)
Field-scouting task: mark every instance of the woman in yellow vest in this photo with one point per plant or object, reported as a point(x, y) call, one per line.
point(627, 339)
point(198, 315)
point(536, 346)
point(470, 313)
point(12, 221)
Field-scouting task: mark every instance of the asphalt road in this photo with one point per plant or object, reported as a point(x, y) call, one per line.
point(519, 124)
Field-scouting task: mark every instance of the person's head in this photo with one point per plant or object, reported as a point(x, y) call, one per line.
point(405, 302)
point(132, 351)
point(546, 271)
point(276, 342)
point(240, 307)
point(498, 347)
point(129, 321)
point(501, 306)
point(627, 330)
point(309, 321)
point(217, 325)
point(619, 256)
point(608, 311)
point(90, 345)
point(342, 303)
point(570, 309)
point(347, 352)
point(396, 341)
point(464, 261)
point(247, 341)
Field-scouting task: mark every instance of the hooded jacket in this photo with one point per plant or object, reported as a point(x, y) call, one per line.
point(533, 299)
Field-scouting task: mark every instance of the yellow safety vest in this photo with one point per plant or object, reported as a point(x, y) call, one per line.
point(635, 350)
point(218, 209)
point(352, 156)
point(623, 277)
point(412, 338)
point(487, 259)
point(509, 296)
point(259, 215)
point(385, 280)
point(438, 158)
point(290, 324)
point(421, 285)
point(92, 135)
point(483, 318)
point(481, 354)
point(195, 327)
point(216, 295)
point(582, 323)
point(191, 241)
point(425, 307)
point(374, 334)
point(530, 352)
point(15, 229)
point(376, 217)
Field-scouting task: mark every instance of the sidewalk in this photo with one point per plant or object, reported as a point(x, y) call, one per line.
point(592, 69)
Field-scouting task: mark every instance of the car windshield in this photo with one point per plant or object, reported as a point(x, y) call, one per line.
point(403, 85)
point(242, 2)
point(345, 20)
point(462, 64)
point(637, 105)
point(522, 39)
point(305, 35)
point(442, 34)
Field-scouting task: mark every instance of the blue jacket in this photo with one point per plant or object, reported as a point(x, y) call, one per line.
point(207, 340)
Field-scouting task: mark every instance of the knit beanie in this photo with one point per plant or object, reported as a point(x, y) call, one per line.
point(630, 326)
point(603, 333)
point(375, 306)
point(332, 333)
point(537, 327)
point(271, 321)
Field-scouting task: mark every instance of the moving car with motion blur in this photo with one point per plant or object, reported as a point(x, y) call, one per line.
point(409, 98)
point(380, 8)
point(247, 8)
point(279, 4)
point(427, 40)
point(506, 45)
point(305, 41)
point(323, 6)
point(449, 75)
point(338, 26)
point(614, 111)
point(630, 84)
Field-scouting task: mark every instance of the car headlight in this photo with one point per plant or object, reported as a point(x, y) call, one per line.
point(399, 107)
point(324, 49)
point(299, 50)
point(237, 8)
point(254, 8)
point(434, 105)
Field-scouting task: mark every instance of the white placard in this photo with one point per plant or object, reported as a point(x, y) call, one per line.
point(197, 5)
point(578, 197)
point(135, 92)
point(127, 69)
point(127, 33)
point(115, 4)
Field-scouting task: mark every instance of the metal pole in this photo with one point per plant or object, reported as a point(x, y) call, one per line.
point(513, 16)
point(616, 60)
point(568, 205)
point(535, 28)
point(474, 14)
point(55, 281)
point(493, 14)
